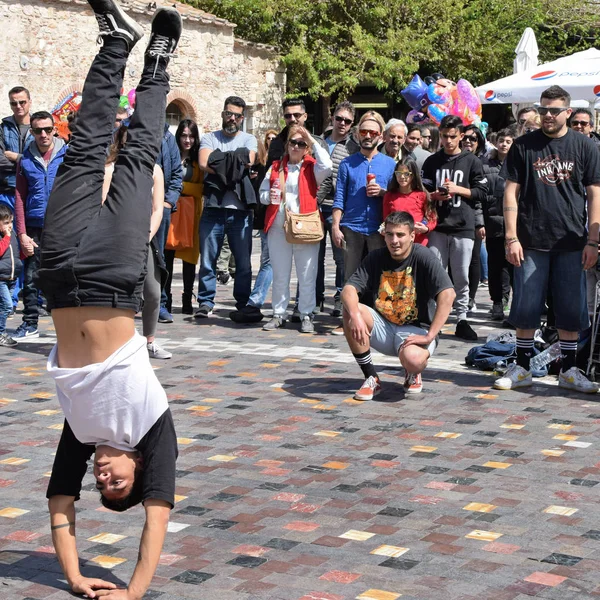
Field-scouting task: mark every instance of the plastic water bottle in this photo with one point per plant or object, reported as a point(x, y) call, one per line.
point(276, 192)
point(546, 357)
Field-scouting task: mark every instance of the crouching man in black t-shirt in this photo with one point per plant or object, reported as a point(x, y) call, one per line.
point(411, 296)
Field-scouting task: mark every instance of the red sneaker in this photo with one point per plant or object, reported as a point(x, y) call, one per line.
point(413, 384)
point(370, 388)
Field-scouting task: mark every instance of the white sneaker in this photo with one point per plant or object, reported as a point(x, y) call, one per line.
point(155, 351)
point(574, 379)
point(515, 377)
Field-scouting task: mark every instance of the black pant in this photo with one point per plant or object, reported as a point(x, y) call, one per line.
point(189, 277)
point(94, 254)
point(499, 270)
point(475, 268)
point(31, 266)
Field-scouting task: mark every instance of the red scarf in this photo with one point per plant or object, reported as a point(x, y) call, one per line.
point(307, 187)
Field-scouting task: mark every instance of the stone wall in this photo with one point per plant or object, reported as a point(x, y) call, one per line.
point(48, 45)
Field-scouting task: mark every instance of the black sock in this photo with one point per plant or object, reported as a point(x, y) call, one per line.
point(568, 351)
point(524, 352)
point(365, 362)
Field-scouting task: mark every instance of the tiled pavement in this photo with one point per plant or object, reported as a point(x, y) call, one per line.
point(288, 489)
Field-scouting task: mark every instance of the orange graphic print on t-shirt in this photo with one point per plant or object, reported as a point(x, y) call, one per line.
point(397, 297)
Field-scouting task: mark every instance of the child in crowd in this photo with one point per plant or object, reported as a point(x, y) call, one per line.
point(10, 268)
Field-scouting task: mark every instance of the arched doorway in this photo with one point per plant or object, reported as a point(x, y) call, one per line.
point(179, 106)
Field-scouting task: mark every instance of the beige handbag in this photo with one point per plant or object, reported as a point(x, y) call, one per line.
point(304, 228)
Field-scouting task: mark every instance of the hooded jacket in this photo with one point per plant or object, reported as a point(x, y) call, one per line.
point(169, 159)
point(10, 259)
point(458, 216)
point(12, 140)
point(493, 212)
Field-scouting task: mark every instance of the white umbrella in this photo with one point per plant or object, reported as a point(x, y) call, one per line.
point(578, 74)
point(526, 58)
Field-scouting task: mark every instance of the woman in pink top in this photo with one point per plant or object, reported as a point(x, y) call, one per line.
point(407, 193)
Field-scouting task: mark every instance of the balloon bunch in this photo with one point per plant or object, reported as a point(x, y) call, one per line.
point(435, 97)
point(128, 102)
point(62, 110)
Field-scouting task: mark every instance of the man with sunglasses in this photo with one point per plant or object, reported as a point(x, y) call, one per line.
point(551, 175)
point(582, 121)
point(226, 213)
point(36, 171)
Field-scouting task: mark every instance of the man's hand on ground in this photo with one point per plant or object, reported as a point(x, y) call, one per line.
point(117, 595)
point(91, 587)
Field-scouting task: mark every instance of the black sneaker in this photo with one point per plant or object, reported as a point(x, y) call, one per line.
point(113, 22)
point(337, 308)
point(296, 316)
point(465, 331)
point(203, 312)
point(248, 314)
point(497, 312)
point(6, 340)
point(166, 31)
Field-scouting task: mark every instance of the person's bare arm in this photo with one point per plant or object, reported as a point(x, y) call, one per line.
point(336, 232)
point(158, 196)
point(153, 537)
point(358, 327)
point(203, 160)
point(514, 250)
point(590, 253)
point(62, 524)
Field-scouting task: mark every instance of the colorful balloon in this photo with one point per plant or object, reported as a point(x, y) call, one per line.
point(123, 102)
point(131, 98)
point(415, 93)
point(414, 116)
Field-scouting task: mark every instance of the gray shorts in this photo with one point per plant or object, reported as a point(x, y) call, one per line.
point(387, 337)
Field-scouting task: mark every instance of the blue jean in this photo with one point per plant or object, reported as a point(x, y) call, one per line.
point(564, 274)
point(6, 304)
point(215, 224)
point(9, 200)
point(161, 239)
point(484, 261)
point(338, 257)
point(264, 278)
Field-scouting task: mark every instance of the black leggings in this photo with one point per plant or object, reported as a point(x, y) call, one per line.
point(94, 254)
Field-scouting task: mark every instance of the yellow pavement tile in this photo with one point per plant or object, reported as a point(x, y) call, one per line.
point(14, 461)
point(487, 396)
point(324, 407)
point(327, 433)
point(107, 538)
point(222, 457)
point(42, 395)
point(353, 401)
point(497, 465)
point(47, 413)
point(480, 507)
point(290, 359)
point(357, 536)
point(108, 562)
point(484, 536)
point(560, 426)
point(564, 511)
point(179, 498)
point(57, 426)
point(246, 374)
point(552, 452)
point(423, 449)
point(565, 437)
point(270, 365)
point(12, 513)
point(212, 400)
point(448, 435)
point(308, 401)
point(185, 441)
point(336, 465)
point(511, 426)
point(374, 594)
point(6, 400)
point(200, 409)
point(47, 474)
point(218, 363)
point(392, 551)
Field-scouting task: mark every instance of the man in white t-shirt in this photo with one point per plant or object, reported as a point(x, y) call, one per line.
point(93, 257)
point(227, 211)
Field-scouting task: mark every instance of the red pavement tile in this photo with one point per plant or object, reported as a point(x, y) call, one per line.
point(340, 576)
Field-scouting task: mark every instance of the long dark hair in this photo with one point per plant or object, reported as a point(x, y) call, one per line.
point(191, 125)
point(117, 145)
point(416, 185)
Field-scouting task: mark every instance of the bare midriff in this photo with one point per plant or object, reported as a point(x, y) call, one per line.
point(90, 334)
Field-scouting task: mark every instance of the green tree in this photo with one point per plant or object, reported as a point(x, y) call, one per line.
point(330, 46)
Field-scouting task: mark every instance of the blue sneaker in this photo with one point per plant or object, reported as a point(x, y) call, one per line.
point(164, 316)
point(24, 330)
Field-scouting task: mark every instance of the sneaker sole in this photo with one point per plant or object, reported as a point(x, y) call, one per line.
point(514, 386)
point(413, 391)
point(571, 386)
point(364, 398)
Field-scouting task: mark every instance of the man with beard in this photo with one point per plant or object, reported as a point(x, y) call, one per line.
point(225, 213)
point(358, 203)
point(551, 174)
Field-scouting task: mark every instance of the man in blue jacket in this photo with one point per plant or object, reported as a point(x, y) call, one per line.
point(36, 171)
point(169, 159)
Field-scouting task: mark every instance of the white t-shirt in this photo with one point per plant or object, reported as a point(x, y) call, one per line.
point(115, 402)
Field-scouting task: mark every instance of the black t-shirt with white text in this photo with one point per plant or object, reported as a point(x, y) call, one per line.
point(403, 292)
point(158, 449)
point(553, 174)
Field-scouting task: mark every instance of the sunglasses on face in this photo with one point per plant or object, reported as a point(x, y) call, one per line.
point(18, 102)
point(426, 137)
point(289, 116)
point(580, 123)
point(368, 133)
point(403, 173)
point(343, 120)
point(470, 138)
point(228, 114)
point(299, 143)
point(553, 110)
point(38, 130)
